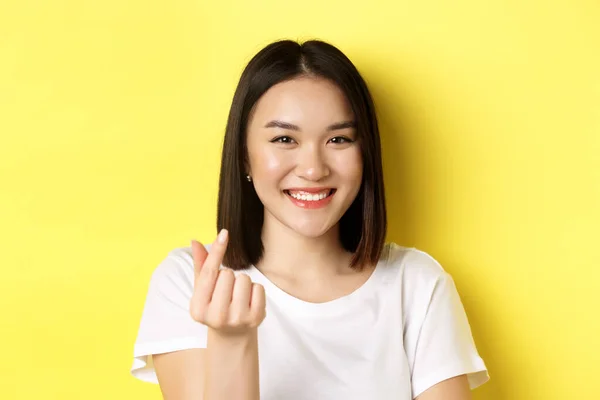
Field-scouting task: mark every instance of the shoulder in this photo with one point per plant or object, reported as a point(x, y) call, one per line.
point(417, 275)
point(177, 263)
point(413, 265)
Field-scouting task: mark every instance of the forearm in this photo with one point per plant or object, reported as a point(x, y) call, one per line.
point(231, 367)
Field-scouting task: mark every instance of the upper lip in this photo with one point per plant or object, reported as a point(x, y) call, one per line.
point(309, 190)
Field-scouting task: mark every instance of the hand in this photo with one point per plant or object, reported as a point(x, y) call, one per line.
point(229, 305)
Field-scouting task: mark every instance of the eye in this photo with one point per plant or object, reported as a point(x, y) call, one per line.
point(341, 140)
point(283, 139)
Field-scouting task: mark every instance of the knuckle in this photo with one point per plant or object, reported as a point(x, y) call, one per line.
point(198, 313)
point(226, 275)
point(216, 324)
point(258, 286)
point(236, 321)
point(210, 274)
point(255, 322)
point(219, 320)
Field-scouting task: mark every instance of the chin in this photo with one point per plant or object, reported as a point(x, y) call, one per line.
point(310, 229)
point(310, 234)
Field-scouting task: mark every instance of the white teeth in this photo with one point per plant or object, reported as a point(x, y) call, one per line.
point(309, 197)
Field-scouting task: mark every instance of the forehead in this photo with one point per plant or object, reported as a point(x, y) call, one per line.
point(303, 98)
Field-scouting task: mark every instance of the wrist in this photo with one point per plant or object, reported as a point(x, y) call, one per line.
point(233, 360)
point(231, 339)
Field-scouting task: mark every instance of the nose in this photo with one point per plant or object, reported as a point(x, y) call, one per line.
point(311, 164)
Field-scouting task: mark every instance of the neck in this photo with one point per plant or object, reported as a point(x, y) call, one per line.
point(290, 254)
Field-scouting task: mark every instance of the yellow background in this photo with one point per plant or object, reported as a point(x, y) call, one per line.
point(111, 120)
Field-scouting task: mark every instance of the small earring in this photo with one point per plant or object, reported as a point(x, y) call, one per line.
point(249, 178)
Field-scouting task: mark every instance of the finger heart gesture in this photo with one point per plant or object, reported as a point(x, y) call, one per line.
point(222, 301)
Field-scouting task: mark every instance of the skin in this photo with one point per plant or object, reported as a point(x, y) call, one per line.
point(303, 255)
point(310, 156)
point(302, 247)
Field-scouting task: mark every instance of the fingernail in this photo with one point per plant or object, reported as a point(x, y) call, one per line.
point(222, 236)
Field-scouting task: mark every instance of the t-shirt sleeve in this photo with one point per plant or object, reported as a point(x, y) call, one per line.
point(166, 324)
point(438, 336)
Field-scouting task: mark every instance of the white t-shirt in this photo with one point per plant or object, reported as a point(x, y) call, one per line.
point(401, 332)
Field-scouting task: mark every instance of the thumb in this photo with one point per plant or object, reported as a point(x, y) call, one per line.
point(199, 255)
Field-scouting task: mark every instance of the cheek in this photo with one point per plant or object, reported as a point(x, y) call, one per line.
point(350, 166)
point(267, 163)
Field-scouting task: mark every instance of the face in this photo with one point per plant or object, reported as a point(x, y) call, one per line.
point(303, 155)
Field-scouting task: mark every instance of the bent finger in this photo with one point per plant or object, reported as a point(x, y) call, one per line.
point(242, 290)
point(258, 302)
point(221, 298)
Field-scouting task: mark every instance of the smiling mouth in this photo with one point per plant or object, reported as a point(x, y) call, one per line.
point(306, 196)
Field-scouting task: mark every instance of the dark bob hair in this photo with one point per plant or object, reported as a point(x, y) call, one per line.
point(363, 226)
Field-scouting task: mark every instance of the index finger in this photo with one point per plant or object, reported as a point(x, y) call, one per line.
point(215, 257)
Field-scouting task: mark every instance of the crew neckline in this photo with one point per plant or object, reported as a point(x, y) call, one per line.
point(290, 302)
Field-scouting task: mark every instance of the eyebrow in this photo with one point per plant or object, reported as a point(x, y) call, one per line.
point(292, 127)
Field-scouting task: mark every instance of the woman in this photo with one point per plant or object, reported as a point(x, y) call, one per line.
point(300, 297)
